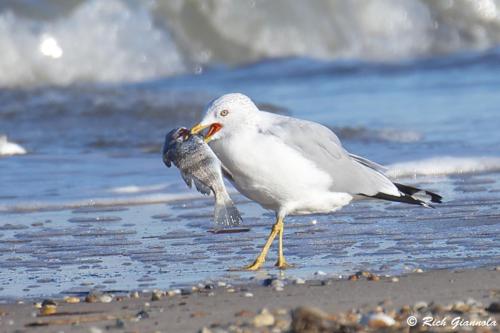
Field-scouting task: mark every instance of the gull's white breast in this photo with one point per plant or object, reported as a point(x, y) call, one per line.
point(275, 175)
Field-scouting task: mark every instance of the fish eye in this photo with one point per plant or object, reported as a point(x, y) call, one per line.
point(224, 113)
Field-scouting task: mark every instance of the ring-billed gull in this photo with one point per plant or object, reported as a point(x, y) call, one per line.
point(292, 166)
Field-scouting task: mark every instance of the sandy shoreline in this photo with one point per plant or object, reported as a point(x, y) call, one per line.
point(218, 306)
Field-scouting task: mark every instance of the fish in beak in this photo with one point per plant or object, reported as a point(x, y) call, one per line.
point(212, 129)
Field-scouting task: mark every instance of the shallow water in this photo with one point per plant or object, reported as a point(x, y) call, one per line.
point(92, 205)
point(164, 245)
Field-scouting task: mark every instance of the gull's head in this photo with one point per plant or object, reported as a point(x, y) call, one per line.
point(225, 115)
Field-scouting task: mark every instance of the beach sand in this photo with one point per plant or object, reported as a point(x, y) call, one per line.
point(220, 308)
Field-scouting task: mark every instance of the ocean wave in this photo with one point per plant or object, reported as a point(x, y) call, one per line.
point(331, 29)
point(444, 166)
point(103, 41)
point(10, 148)
point(61, 42)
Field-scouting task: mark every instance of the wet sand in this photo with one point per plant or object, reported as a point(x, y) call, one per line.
point(169, 244)
point(216, 307)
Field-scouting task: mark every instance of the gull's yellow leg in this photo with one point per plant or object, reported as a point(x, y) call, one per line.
point(262, 256)
point(281, 263)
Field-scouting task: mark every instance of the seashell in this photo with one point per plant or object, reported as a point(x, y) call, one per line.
point(105, 298)
point(380, 320)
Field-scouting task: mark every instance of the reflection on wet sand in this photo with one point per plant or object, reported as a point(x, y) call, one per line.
point(172, 244)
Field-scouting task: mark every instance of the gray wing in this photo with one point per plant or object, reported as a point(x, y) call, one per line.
point(350, 173)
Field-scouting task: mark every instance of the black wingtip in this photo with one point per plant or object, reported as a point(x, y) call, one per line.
point(407, 196)
point(404, 199)
point(409, 190)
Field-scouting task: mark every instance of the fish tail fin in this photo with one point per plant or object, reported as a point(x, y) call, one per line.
point(226, 212)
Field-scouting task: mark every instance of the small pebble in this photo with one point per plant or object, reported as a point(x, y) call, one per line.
point(142, 315)
point(48, 310)
point(299, 281)
point(380, 320)
point(119, 324)
point(49, 307)
point(405, 309)
point(156, 295)
point(394, 279)
point(472, 302)
point(134, 294)
point(418, 270)
point(198, 314)
point(494, 307)
point(320, 273)
point(94, 329)
point(460, 307)
point(105, 298)
point(174, 292)
point(264, 318)
point(420, 305)
point(278, 285)
point(185, 292)
point(72, 299)
point(244, 313)
point(247, 294)
point(363, 274)
point(437, 308)
point(230, 290)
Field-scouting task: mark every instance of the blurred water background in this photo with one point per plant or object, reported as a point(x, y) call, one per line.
point(89, 88)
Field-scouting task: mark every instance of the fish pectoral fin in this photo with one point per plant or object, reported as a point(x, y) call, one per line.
point(201, 187)
point(188, 179)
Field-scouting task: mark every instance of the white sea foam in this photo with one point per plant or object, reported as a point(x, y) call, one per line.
point(100, 202)
point(121, 40)
point(105, 41)
point(10, 148)
point(363, 29)
point(444, 166)
point(130, 189)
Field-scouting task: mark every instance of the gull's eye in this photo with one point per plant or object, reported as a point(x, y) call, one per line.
point(224, 113)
